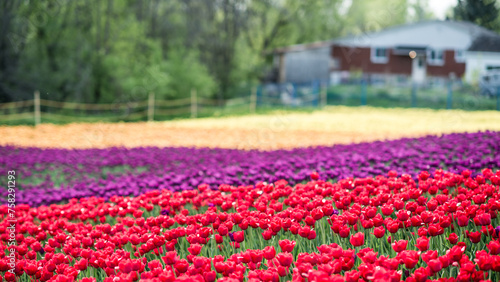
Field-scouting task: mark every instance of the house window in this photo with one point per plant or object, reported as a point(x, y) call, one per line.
point(435, 57)
point(379, 55)
point(460, 56)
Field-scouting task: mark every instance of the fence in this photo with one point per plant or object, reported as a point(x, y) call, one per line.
point(41, 110)
point(267, 96)
point(314, 94)
point(449, 95)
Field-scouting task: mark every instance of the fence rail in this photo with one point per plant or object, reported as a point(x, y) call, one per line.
point(140, 110)
point(314, 94)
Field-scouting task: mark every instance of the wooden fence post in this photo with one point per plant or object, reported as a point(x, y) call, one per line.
point(253, 100)
point(151, 106)
point(37, 108)
point(194, 104)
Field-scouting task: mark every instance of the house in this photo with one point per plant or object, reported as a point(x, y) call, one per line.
point(419, 52)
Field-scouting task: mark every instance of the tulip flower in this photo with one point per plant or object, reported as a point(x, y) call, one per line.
point(286, 245)
point(285, 259)
point(422, 244)
point(399, 246)
point(357, 239)
point(238, 236)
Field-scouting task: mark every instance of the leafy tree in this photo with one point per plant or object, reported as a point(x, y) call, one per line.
point(185, 73)
point(105, 51)
point(369, 16)
point(481, 12)
point(420, 11)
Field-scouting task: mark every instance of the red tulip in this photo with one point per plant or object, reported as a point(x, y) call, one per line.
point(194, 249)
point(125, 266)
point(286, 245)
point(210, 276)
point(422, 244)
point(269, 252)
point(181, 265)
point(170, 257)
point(435, 265)
point(239, 236)
point(474, 237)
point(314, 176)
point(453, 238)
point(399, 246)
point(344, 231)
point(482, 219)
point(357, 239)
point(379, 232)
point(285, 259)
point(494, 247)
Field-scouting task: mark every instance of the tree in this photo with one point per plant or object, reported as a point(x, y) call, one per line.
point(420, 11)
point(480, 12)
point(102, 51)
point(370, 16)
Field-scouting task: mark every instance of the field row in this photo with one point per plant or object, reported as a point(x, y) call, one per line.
point(49, 176)
point(277, 130)
point(383, 228)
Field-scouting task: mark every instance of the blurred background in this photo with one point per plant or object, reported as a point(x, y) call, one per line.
point(134, 60)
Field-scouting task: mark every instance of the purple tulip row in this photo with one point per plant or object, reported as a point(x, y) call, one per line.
point(48, 176)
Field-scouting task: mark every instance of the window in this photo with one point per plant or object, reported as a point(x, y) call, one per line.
point(460, 56)
point(435, 57)
point(379, 55)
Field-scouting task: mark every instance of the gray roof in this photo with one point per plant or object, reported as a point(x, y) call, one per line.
point(484, 40)
point(481, 39)
point(473, 29)
point(486, 43)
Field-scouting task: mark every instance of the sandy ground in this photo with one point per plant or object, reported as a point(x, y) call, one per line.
point(333, 125)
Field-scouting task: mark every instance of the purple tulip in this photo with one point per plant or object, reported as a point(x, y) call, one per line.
point(47, 176)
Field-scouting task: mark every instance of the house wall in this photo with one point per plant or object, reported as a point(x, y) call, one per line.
point(350, 59)
point(359, 59)
point(307, 65)
point(450, 66)
point(476, 63)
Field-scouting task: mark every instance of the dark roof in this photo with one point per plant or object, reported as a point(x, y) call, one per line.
point(486, 43)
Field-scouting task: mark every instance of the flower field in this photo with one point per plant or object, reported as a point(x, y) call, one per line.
point(419, 208)
point(55, 175)
point(385, 228)
point(276, 130)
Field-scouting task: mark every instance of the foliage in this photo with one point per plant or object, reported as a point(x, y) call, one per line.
point(481, 12)
point(120, 50)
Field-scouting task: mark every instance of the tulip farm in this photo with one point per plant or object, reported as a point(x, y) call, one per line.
point(418, 207)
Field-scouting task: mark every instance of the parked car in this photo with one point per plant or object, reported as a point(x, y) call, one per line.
point(489, 83)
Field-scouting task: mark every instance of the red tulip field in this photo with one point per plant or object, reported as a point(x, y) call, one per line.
point(387, 228)
point(411, 209)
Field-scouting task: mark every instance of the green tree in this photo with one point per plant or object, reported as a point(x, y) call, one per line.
point(420, 11)
point(369, 16)
point(481, 12)
point(120, 50)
